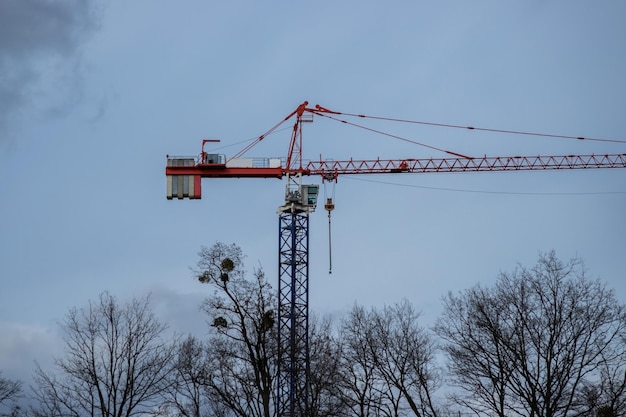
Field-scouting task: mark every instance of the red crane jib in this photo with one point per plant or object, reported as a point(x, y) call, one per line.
point(333, 168)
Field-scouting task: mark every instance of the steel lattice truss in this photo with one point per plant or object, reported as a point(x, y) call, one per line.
point(293, 314)
point(498, 163)
point(330, 169)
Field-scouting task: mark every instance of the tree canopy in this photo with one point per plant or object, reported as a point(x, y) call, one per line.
point(542, 341)
point(115, 365)
point(535, 343)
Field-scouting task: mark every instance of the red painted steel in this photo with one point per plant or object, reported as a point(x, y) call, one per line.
point(331, 169)
point(497, 163)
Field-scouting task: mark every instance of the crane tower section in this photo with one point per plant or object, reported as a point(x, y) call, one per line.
point(293, 297)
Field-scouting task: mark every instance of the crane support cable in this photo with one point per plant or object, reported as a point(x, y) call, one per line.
point(249, 140)
point(260, 138)
point(483, 129)
point(395, 136)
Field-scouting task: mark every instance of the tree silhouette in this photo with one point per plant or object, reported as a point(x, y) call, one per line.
point(529, 345)
point(115, 363)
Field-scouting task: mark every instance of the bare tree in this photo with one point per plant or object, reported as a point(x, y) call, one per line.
point(10, 390)
point(530, 345)
point(389, 363)
point(361, 389)
point(479, 360)
point(242, 350)
point(185, 395)
point(605, 396)
point(403, 353)
point(612, 385)
point(324, 380)
point(115, 363)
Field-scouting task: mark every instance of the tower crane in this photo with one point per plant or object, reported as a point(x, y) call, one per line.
point(184, 176)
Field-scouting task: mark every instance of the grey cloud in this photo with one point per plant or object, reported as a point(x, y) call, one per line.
point(39, 44)
point(181, 312)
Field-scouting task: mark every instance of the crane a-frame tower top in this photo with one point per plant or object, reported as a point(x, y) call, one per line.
point(184, 176)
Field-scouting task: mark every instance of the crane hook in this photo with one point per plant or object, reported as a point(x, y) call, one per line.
point(329, 206)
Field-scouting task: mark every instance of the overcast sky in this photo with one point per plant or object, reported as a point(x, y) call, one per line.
point(94, 95)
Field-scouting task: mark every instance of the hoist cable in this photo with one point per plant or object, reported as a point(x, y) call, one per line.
point(330, 251)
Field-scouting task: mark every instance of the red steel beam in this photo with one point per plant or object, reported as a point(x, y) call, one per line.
point(331, 169)
point(497, 163)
